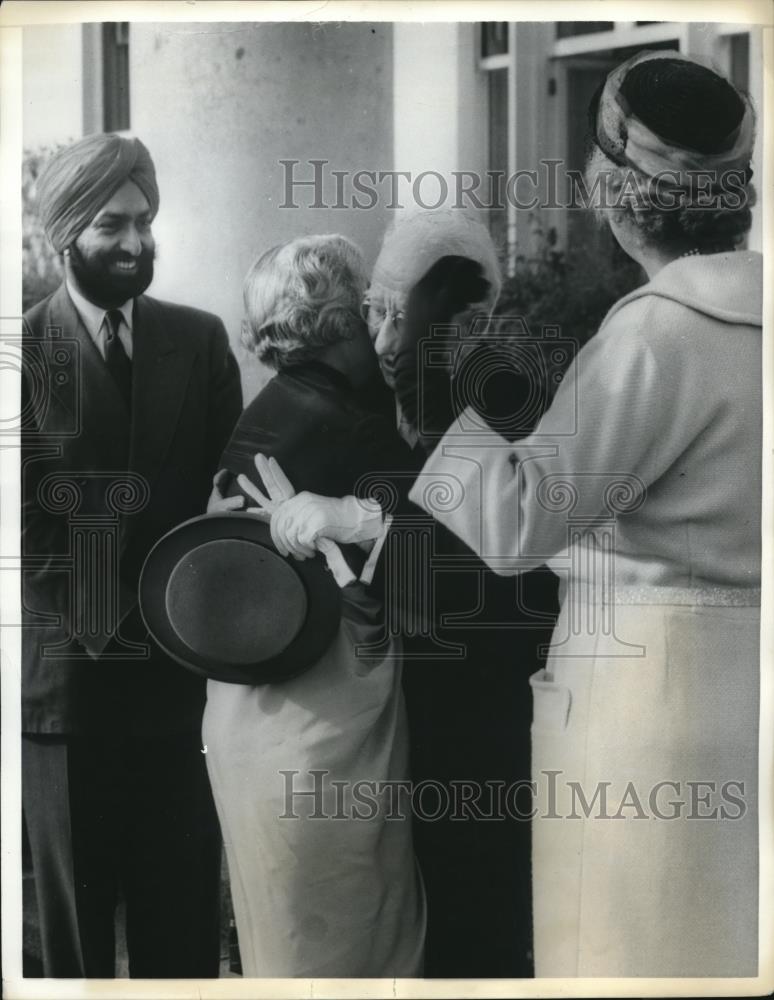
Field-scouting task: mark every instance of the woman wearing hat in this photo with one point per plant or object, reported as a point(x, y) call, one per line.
point(641, 485)
point(305, 773)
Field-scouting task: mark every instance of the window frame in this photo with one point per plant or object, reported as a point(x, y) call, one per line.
point(562, 52)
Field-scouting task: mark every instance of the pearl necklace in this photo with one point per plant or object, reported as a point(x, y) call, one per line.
point(695, 252)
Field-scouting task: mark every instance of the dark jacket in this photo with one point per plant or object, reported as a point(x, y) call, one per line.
point(328, 436)
point(468, 714)
point(78, 444)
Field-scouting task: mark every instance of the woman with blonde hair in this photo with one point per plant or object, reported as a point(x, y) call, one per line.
point(323, 877)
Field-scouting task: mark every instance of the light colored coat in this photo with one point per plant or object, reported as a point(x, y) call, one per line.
point(641, 487)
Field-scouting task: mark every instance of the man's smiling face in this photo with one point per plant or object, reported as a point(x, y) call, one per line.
point(112, 259)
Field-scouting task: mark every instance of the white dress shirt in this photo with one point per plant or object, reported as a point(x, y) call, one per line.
point(94, 319)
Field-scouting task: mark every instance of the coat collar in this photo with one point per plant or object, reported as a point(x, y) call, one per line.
point(161, 369)
point(88, 386)
point(94, 316)
point(726, 286)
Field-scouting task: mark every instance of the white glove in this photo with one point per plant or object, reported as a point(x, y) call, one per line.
point(299, 524)
point(217, 503)
point(281, 493)
point(277, 485)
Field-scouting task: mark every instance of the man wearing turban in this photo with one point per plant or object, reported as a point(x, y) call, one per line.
point(128, 402)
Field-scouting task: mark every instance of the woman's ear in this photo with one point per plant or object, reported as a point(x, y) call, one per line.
point(635, 195)
point(626, 227)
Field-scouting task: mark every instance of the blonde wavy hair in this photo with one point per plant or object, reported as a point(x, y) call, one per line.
point(301, 296)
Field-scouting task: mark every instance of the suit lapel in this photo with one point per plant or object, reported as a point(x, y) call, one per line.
point(161, 369)
point(88, 392)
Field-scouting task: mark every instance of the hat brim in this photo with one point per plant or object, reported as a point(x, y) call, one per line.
point(317, 631)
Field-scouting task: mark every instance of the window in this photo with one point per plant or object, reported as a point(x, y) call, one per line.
point(538, 80)
point(115, 76)
point(541, 111)
point(569, 29)
point(498, 153)
point(495, 60)
point(739, 69)
point(494, 38)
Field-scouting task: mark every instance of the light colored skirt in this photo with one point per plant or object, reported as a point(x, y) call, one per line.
point(323, 884)
point(661, 879)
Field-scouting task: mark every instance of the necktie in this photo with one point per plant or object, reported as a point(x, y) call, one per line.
point(119, 365)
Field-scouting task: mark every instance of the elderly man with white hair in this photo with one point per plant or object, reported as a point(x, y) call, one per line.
point(651, 509)
point(467, 652)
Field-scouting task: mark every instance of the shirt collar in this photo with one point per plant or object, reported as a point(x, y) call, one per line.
point(94, 316)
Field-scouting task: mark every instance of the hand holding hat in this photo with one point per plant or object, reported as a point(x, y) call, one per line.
point(219, 599)
point(278, 486)
point(305, 523)
point(218, 503)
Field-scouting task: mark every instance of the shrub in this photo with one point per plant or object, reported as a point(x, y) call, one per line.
point(41, 266)
point(570, 289)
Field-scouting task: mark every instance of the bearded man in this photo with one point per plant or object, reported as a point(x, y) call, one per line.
point(128, 402)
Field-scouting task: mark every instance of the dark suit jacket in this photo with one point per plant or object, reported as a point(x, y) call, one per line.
point(78, 438)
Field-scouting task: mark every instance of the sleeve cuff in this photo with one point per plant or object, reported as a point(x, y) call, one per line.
point(367, 573)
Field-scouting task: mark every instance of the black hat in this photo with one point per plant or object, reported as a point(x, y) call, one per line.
point(217, 597)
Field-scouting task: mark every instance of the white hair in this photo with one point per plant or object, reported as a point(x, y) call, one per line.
point(417, 239)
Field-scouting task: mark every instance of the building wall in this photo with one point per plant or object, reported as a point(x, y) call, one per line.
point(440, 109)
point(52, 84)
point(219, 105)
point(538, 134)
